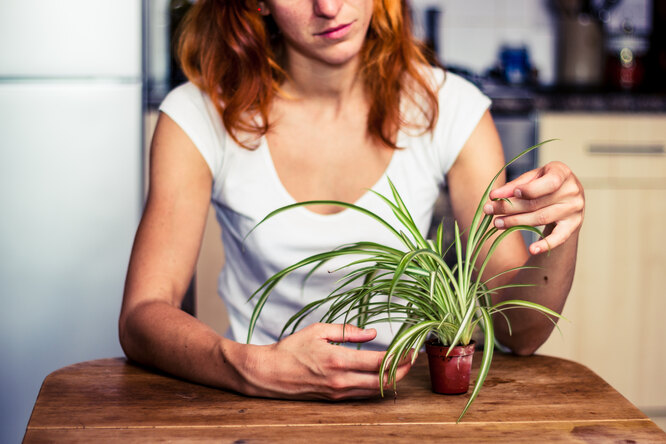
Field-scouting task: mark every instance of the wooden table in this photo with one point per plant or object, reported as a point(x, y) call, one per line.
point(524, 399)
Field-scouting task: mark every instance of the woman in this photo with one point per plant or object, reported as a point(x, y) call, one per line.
point(295, 100)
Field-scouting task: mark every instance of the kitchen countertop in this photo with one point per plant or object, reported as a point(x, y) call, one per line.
point(528, 98)
point(600, 101)
point(520, 100)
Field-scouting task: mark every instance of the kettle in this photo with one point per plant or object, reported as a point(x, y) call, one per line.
point(580, 41)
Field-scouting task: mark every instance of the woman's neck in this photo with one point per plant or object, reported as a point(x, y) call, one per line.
point(311, 79)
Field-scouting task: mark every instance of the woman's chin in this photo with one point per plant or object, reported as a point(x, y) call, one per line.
point(340, 57)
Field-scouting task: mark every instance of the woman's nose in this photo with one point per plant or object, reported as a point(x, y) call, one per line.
point(327, 8)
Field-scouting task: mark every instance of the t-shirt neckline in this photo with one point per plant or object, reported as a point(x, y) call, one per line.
point(287, 199)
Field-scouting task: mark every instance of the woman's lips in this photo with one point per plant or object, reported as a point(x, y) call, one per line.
point(335, 32)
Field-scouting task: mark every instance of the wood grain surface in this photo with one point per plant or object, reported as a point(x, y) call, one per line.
point(112, 400)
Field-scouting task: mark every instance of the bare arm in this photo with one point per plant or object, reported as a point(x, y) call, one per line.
point(154, 331)
point(551, 196)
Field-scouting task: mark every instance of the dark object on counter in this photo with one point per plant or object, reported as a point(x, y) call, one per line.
point(656, 60)
point(596, 9)
point(177, 10)
point(625, 60)
point(432, 36)
point(580, 42)
point(515, 67)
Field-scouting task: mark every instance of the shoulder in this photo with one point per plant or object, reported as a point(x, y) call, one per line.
point(461, 106)
point(461, 103)
point(457, 97)
point(457, 88)
point(192, 110)
point(448, 83)
point(186, 96)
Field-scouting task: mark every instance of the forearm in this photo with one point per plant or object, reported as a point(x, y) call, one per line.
point(305, 365)
point(160, 335)
point(551, 281)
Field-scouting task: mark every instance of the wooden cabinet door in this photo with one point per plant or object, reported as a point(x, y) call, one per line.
point(617, 300)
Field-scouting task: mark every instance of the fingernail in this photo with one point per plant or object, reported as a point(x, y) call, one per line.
point(537, 250)
point(518, 193)
point(499, 223)
point(488, 209)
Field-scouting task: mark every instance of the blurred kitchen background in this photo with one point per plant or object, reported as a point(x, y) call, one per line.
point(80, 81)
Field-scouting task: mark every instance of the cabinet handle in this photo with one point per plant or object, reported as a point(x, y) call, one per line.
point(626, 150)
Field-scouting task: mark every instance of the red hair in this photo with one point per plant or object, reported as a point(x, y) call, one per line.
point(232, 53)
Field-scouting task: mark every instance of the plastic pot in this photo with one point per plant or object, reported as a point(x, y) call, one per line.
point(450, 374)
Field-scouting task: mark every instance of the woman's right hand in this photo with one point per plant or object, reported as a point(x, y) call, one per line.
point(307, 365)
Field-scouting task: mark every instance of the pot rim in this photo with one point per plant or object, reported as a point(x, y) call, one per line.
point(433, 346)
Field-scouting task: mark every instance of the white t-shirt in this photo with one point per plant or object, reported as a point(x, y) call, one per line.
point(246, 188)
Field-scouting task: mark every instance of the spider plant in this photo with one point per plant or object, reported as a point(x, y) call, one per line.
point(413, 286)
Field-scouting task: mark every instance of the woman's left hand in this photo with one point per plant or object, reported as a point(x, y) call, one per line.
point(550, 196)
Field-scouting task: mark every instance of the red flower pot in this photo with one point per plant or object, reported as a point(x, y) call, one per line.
point(450, 374)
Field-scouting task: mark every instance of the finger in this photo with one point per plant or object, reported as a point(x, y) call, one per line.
point(345, 374)
point(517, 206)
point(544, 185)
point(508, 189)
point(539, 217)
point(358, 360)
point(404, 368)
point(353, 393)
point(346, 384)
point(363, 360)
point(542, 211)
point(557, 237)
point(345, 333)
point(409, 356)
point(347, 381)
point(337, 389)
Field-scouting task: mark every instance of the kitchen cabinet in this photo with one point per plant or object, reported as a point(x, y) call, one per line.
point(616, 306)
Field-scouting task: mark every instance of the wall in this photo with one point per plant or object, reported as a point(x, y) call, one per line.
point(472, 31)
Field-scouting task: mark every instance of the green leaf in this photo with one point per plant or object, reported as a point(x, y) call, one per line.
point(415, 287)
point(486, 359)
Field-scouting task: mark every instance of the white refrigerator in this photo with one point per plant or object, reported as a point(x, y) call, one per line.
point(70, 186)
